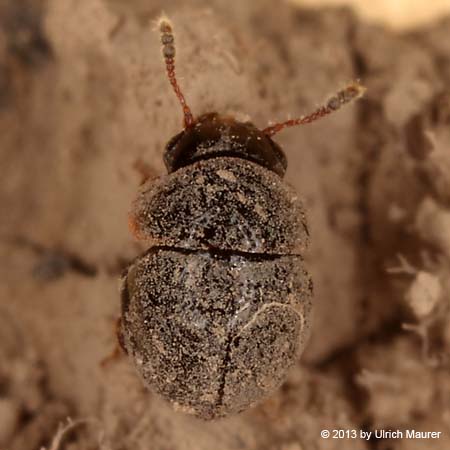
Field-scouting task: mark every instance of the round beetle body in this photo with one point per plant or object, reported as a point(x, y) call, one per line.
point(217, 311)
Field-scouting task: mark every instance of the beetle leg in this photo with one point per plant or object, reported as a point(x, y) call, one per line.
point(119, 349)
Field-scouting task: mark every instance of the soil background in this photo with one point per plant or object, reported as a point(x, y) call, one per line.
point(85, 107)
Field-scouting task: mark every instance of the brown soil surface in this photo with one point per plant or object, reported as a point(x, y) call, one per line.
point(84, 102)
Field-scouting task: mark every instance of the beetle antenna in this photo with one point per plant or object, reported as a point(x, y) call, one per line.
point(168, 51)
point(351, 92)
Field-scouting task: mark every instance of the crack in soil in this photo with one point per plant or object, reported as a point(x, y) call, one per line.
point(53, 263)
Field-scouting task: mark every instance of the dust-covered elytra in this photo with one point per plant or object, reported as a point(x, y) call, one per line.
point(222, 203)
point(214, 135)
point(196, 323)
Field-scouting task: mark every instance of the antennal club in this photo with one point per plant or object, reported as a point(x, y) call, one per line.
point(350, 93)
point(168, 51)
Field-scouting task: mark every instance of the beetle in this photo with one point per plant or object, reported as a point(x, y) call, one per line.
point(218, 308)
